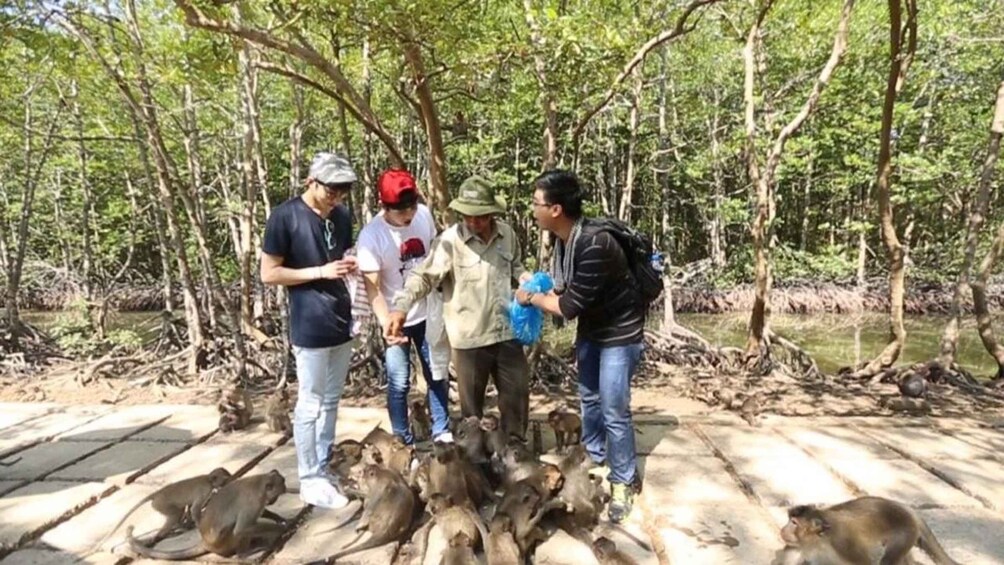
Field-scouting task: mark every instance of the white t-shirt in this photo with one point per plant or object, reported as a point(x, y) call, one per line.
point(394, 251)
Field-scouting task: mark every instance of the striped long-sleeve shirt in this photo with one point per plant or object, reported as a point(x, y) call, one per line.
point(602, 293)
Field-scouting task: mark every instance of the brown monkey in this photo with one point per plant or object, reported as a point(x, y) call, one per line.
point(229, 524)
point(525, 507)
point(470, 437)
point(580, 490)
point(343, 456)
point(515, 464)
point(236, 409)
point(381, 439)
point(277, 412)
point(176, 500)
point(858, 531)
point(606, 553)
point(495, 440)
point(451, 473)
point(387, 510)
point(500, 546)
point(453, 520)
point(567, 428)
point(750, 410)
point(421, 422)
point(400, 457)
point(460, 551)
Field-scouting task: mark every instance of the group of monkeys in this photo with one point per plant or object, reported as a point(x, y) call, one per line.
point(484, 490)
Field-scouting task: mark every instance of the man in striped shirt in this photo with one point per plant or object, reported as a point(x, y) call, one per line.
point(594, 285)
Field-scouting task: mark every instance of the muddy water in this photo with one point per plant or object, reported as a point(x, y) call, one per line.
point(837, 340)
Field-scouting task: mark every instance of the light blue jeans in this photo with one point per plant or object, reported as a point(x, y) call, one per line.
point(398, 361)
point(320, 373)
point(605, 392)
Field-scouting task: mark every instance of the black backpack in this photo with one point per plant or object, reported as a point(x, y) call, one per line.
point(639, 251)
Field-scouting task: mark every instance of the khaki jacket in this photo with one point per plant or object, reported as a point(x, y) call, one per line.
point(477, 280)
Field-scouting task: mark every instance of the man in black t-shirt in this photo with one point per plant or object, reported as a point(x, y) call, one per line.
point(303, 249)
point(594, 285)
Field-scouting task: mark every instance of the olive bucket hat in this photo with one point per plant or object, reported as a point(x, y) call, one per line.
point(477, 198)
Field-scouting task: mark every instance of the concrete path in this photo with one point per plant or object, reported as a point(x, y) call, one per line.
point(715, 492)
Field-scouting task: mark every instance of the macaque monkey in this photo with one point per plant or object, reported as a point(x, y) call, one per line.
point(567, 428)
point(864, 530)
point(471, 439)
point(177, 500)
point(236, 409)
point(495, 440)
point(381, 439)
point(460, 551)
point(750, 410)
point(388, 509)
point(500, 546)
point(421, 422)
point(229, 524)
point(606, 553)
point(277, 413)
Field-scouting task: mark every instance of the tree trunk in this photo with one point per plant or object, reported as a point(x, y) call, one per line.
point(32, 171)
point(627, 195)
point(87, 207)
point(984, 323)
point(440, 192)
point(159, 221)
point(716, 222)
point(251, 187)
point(977, 217)
point(368, 182)
point(190, 141)
point(549, 108)
point(757, 345)
point(900, 60)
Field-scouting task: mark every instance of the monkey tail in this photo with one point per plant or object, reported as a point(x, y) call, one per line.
point(151, 553)
point(373, 541)
point(930, 544)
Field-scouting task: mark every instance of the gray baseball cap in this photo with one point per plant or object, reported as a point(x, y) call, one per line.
point(331, 168)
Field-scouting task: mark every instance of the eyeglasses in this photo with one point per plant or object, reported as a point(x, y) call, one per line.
point(335, 189)
point(543, 204)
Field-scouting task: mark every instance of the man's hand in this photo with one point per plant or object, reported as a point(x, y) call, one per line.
point(339, 268)
point(395, 326)
point(523, 296)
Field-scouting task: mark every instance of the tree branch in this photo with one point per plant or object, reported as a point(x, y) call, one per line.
point(679, 29)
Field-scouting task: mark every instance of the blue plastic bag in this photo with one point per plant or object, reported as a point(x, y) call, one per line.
point(528, 321)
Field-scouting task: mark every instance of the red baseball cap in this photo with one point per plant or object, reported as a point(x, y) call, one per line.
point(393, 183)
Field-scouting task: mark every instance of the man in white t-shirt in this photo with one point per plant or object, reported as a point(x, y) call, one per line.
point(389, 247)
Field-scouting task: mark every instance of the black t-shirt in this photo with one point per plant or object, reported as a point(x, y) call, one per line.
point(320, 312)
point(602, 293)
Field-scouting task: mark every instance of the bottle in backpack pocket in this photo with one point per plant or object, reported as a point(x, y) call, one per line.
point(658, 262)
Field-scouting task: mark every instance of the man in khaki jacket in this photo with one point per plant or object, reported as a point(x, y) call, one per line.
point(477, 261)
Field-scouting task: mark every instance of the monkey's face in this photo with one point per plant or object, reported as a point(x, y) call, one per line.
point(553, 479)
point(578, 457)
point(501, 524)
point(218, 477)
point(603, 547)
point(275, 488)
point(489, 423)
point(805, 524)
point(461, 540)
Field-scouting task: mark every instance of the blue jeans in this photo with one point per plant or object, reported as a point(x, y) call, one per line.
point(320, 374)
point(398, 361)
point(605, 393)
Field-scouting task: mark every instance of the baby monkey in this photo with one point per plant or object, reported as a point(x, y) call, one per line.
point(567, 428)
point(277, 412)
point(236, 409)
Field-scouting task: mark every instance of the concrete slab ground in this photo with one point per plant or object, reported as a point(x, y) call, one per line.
point(716, 490)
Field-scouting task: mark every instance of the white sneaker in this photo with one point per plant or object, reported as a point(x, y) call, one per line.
point(319, 492)
point(445, 437)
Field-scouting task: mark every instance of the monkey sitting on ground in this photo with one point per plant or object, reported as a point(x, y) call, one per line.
point(343, 455)
point(567, 428)
point(858, 531)
point(495, 440)
point(277, 412)
point(581, 490)
point(236, 409)
point(453, 519)
point(500, 546)
point(606, 553)
point(177, 500)
point(388, 509)
point(421, 423)
point(229, 524)
point(381, 439)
